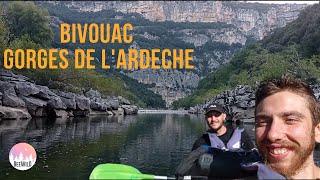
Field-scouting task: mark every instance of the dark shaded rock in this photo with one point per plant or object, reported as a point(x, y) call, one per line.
point(41, 112)
point(36, 107)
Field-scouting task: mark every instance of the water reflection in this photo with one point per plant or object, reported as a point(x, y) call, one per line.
point(72, 147)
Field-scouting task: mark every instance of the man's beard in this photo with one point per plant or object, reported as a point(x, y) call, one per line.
point(215, 129)
point(301, 154)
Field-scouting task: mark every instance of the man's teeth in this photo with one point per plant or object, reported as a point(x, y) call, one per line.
point(278, 151)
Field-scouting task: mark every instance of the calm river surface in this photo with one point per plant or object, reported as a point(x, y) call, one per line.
point(71, 148)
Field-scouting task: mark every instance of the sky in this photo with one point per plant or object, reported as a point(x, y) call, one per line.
point(284, 2)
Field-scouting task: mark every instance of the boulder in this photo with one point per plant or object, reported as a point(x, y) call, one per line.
point(106, 103)
point(36, 107)
point(94, 105)
point(242, 101)
point(83, 103)
point(92, 94)
point(193, 110)
point(68, 99)
point(110, 113)
point(70, 103)
point(9, 96)
point(7, 75)
point(130, 109)
point(120, 111)
point(41, 112)
point(59, 113)
point(45, 93)
point(123, 100)
point(114, 104)
point(56, 103)
point(67, 95)
point(26, 89)
point(13, 113)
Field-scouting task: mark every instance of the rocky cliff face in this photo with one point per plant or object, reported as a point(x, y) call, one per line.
point(236, 23)
point(251, 18)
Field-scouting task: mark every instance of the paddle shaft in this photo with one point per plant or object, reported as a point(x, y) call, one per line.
point(121, 171)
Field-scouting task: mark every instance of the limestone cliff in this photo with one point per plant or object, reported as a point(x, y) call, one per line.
point(251, 18)
point(229, 27)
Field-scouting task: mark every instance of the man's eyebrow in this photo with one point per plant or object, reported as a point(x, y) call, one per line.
point(292, 113)
point(262, 115)
point(282, 114)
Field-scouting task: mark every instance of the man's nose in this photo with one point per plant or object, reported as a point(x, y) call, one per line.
point(276, 130)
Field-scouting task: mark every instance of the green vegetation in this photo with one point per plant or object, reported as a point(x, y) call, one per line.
point(26, 26)
point(261, 8)
point(27, 19)
point(169, 34)
point(304, 32)
point(293, 49)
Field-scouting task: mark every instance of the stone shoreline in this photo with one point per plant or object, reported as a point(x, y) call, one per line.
point(20, 98)
point(239, 102)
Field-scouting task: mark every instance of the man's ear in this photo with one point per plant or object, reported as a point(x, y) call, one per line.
point(317, 133)
point(224, 116)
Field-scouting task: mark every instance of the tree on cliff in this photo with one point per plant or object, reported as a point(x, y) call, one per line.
point(26, 19)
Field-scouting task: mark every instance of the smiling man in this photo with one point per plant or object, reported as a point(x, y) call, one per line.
point(220, 136)
point(287, 118)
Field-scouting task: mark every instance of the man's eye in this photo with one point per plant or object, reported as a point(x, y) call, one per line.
point(291, 120)
point(261, 123)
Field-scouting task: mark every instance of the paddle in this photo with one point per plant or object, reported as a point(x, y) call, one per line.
point(121, 171)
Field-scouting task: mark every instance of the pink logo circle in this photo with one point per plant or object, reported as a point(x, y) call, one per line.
point(22, 156)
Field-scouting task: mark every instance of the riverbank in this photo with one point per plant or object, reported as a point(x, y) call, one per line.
point(21, 98)
point(162, 111)
point(239, 102)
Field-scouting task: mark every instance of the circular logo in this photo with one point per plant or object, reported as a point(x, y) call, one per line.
point(22, 156)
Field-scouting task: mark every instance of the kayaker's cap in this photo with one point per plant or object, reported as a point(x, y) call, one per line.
point(214, 107)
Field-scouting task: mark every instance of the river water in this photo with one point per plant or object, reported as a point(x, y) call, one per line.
point(71, 148)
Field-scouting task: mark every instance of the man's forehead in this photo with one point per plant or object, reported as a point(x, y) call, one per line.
point(283, 103)
point(281, 114)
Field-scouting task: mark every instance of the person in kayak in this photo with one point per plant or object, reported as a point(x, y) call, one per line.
point(219, 135)
point(219, 152)
point(287, 125)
